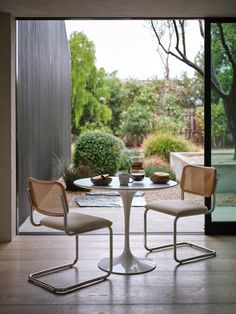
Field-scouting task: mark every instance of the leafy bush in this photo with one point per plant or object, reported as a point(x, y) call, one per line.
point(136, 122)
point(170, 115)
point(124, 163)
point(163, 144)
point(71, 173)
point(101, 152)
point(220, 132)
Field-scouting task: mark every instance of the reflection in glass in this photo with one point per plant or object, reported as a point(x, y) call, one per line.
point(223, 115)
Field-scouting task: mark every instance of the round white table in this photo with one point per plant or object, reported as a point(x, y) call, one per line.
point(127, 263)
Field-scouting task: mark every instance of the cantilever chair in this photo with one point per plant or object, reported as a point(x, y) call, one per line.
point(196, 180)
point(49, 199)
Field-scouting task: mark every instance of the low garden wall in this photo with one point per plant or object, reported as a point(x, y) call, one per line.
point(179, 160)
point(224, 163)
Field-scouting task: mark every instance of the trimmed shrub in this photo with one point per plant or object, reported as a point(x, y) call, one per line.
point(163, 144)
point(124, 163)
point(99, 151)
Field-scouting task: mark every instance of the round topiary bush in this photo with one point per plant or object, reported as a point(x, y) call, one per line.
point(99, 151)
point(163, 144)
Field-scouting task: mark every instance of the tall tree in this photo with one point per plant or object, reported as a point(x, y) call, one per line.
point(89, 93)
point(223, 69)
point(165, 36)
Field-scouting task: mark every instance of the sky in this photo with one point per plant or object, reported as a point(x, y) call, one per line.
point(129, 47)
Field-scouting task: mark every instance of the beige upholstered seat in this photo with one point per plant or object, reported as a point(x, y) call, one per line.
point(178, 208)
point(76, 223)
point(49, 199)
point(196, 180)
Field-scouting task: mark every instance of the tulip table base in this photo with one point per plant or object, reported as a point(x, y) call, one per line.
point(128, 265)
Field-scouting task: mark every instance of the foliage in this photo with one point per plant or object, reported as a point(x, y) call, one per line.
point(99, 151)
point(163, 143)
point(68, 172)
point(190, 91)
point(224, 71)
point(223, 63)
point(199, 115)
point(72, 173)
point(143, 93)
point(124, 163)
point(137, 122)
point(89, 92)
point(116, 100)
point(223, 68)
point(124, 95)
point(219, 127)
point(218, 120)
point(170, 116)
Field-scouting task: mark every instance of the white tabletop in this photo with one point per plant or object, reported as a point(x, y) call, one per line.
point(146, 184)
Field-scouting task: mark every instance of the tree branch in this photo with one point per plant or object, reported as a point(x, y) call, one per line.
point(215, 83)
point(183, 57)
point(159, 42)
point(181, 22)
point(226, 47)
point(201, 28)
point(180, 56)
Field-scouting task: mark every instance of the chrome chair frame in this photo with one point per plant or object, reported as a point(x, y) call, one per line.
point(209, 252)
point(34, 277)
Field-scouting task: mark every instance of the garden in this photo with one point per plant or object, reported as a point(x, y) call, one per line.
point(113, 119)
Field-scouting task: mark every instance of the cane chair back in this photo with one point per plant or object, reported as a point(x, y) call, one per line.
point(48, 197)
point(198, 180)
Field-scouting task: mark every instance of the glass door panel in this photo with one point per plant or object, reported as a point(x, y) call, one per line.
point(223, 118)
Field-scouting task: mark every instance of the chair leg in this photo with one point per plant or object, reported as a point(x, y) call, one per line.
point(209, 253)
point(145, 237)
point(34, 276)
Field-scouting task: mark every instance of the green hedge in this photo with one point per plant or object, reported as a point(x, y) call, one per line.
point(163, 144)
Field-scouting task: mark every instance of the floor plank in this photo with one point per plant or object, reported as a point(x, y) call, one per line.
point(203, 287)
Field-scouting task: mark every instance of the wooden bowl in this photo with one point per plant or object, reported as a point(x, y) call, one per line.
point(101, 181)
point(159, 181)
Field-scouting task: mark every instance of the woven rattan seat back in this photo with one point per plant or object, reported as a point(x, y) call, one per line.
point(47, 197)
point(198, 180)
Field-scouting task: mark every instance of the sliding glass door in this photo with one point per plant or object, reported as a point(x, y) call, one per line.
point(221, 129)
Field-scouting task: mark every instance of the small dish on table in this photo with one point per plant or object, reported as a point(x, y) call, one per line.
point(160, 177)
point(103, 179)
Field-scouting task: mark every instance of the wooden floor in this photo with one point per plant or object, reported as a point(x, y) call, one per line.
point(202, 287)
